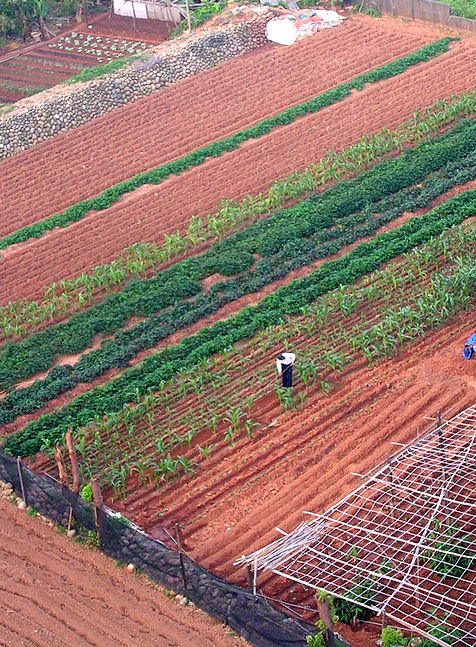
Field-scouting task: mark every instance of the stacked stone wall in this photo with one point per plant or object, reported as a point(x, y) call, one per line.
point(78, 104)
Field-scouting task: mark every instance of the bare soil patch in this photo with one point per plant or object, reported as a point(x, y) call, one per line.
point(55, 592)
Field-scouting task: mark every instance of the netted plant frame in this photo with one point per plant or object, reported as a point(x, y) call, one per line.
point(403, 543)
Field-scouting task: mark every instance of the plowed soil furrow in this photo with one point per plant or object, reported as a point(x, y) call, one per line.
point(151, 212)
point(185, 116)
point(56, 592)
point(314, 451)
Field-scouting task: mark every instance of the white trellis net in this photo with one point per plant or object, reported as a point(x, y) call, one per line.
point(404, 542)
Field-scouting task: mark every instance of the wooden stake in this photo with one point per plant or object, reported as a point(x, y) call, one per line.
point(20, 475)
point(249, 577)
point(384, 620)
point(74, 461)
point(62, 473)
point(182, 565)
point(98, 505)
point(97, 494)
point(325, 616)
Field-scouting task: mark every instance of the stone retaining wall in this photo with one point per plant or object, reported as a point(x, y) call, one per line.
point(429, 10)
point(77, 104)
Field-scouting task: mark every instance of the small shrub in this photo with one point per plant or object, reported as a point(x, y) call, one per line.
point(87, 493)
point(391, 637)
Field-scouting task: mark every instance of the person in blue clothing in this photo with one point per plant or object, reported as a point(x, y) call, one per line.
point(470, 347)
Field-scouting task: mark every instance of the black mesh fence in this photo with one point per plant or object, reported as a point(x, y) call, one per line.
point(248, 615)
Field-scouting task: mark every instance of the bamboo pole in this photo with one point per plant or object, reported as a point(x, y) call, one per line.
point(134, 18)
point(20, 476)
point(442, 444)
point(98, 506)
point(62, 473)
point(187, 7)
point(74, 461)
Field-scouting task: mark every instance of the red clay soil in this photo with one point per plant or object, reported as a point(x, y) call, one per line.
point(149, 213)
point(192, 113)
point(302, 460)
point(148, 31)
point(55, 592)
point(222, 314)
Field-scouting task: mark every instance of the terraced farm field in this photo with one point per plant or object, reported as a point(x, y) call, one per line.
point(362, 262)
point(46, 64)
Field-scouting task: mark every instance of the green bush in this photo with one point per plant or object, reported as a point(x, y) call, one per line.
point(87, 492)
point(391, 637)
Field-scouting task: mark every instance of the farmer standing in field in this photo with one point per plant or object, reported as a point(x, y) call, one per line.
point(284, 364)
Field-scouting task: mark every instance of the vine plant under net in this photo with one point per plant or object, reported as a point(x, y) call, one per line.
point(403, 543)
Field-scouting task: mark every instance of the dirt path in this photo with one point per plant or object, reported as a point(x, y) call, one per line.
point(55, 592)
point(151, 212)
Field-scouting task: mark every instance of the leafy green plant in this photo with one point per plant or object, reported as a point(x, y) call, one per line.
point(87, 492)
point(363, 592)
point(288, 300)
point(391, 637)
point(449, 555)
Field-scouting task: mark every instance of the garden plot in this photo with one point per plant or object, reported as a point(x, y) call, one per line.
point(102, 48)
point(56, 592)
point(202, 417)
point(48, 64)
point(215, 405)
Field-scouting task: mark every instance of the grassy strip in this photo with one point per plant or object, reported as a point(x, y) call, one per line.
point(98, 71)
point(316, 228)
point(197, 157)
point(272, 310)
point(28, 92)
point(16, 318)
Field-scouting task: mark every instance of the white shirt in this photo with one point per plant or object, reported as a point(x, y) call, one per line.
point(289, 358)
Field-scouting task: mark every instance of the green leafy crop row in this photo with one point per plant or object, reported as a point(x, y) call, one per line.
point(292, 238)
point(17, 318)
point(197, 157)
point(288, 300)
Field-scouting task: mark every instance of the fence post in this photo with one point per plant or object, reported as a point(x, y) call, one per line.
point(325, 615)
point(249, 578)
point(20, 476)
point(98, 506)
point(74, 469)
point(74, 461)
point(182, 565)
point(62, 473)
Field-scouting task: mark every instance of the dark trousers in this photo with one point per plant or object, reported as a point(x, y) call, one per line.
point(287, 374)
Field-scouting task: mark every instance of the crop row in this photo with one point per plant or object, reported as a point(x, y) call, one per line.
point(271, 310)
point(17, 319)
point(388, 311)
point(293, 238)
point(197, 157)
